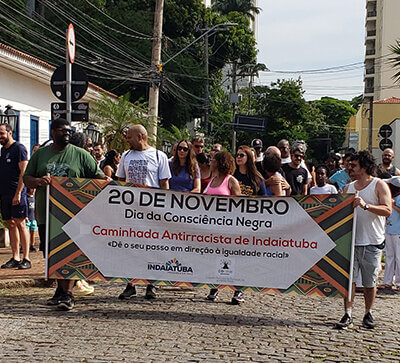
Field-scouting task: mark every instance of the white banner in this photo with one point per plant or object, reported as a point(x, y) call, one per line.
point(167, 235)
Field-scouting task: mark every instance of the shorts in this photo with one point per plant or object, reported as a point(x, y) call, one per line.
point(32, 225)
point(9, 211)
point(367, 262)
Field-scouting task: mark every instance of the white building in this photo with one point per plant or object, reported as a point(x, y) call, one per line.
point(25, 85)
point(382, 29)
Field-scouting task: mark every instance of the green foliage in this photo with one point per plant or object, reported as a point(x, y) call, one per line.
point(337, 113)
point(115, 117)
point(357, 101)
point(246, 7)
point(395, 60)
point(173, 135)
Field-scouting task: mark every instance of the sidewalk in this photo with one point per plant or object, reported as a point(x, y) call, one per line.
point(10, 278)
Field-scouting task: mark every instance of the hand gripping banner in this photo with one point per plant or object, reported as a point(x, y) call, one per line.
point(116, 231)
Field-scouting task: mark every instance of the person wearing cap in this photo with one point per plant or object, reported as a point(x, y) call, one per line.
point(257, 145)
point(392, 237)
point(372, 205)
point(295, 174)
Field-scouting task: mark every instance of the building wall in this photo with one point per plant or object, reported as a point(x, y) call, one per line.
point(31, 98)
point(387, 27)
point(383, 114)
point(390, 30)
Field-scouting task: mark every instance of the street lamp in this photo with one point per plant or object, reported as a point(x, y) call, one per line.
point(92, 132)
point(9, 116)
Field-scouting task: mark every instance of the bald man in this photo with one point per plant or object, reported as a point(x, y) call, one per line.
point(387, 165)
point(144, 165)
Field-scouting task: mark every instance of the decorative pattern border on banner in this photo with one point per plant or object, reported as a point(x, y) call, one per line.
point(329, 277)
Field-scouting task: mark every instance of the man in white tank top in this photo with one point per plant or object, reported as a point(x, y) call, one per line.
point(372, 204)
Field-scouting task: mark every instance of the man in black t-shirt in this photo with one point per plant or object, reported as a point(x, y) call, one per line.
point(295, 174)
point(14, 204)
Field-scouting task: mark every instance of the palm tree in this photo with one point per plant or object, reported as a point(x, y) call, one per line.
point(395, 49)
point(246, 7)
point(114, 118)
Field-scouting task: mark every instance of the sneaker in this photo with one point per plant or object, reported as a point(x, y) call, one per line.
point(67, 302)
point(24, 265)
point(150, 292)
point(32, 249)
point(345, 322)
point(213, 295)
point(11, 263)
point(82, 288)
point(55, 300)
point(238, 297)
point(130, 291)
point(368, 321)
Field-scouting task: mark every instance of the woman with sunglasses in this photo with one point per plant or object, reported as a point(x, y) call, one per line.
point(250, 180)
point(222, 167)
point(184, 169)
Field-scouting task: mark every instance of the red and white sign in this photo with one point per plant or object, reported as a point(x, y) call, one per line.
point(71, 43)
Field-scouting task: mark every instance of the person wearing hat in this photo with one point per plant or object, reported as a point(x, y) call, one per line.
point(392, 237)
point(257, 145)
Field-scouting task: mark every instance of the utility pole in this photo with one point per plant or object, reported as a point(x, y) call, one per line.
point(234, 104)
point(155, 64)
point(370, 123)
point(207, 90)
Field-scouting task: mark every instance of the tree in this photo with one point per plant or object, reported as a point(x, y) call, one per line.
point(357, 101)
point(337, 114)
point(246, 7)
point(395, 49)
point(115, 117)
point(288, 114)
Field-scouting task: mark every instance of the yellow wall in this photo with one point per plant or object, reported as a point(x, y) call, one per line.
point(383, 113)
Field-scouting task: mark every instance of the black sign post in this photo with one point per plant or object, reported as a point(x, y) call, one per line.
point(385, 131)
point(79, 112)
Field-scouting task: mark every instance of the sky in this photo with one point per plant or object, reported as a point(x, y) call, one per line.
point(312, 35)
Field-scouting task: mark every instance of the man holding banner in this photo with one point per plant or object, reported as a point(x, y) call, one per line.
point(373, 204)
point(143, 165)
point(58, 159)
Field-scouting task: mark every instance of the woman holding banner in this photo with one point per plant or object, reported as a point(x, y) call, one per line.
point(184, 169)
point(222, 167)
point(250, 180)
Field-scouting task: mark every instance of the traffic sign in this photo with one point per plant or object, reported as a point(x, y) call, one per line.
point(79, 82)
point(80, 111)
point(385, 131)
point(71, 43)
point(385, 144)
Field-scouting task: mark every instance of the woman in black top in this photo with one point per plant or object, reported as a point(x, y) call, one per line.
point(250, 180)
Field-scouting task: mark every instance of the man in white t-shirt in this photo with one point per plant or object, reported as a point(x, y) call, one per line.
point(144, 165)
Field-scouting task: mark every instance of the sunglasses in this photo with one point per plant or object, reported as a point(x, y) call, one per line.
point(65, 131)
point(240, 155)
point(297, 156)
point(198, 146)
point(183, 148)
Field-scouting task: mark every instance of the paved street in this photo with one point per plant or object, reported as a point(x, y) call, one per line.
point(182, 326)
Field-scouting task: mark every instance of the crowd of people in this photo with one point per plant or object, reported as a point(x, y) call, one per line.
point(279, 170)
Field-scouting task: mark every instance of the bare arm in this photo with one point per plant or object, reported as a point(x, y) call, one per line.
point(397, 172)
point(32, 182)
point(234, 186)
point(196, 186)
point(17, 196)
point(384, 208)
point(108, 170)
point(164, 183)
